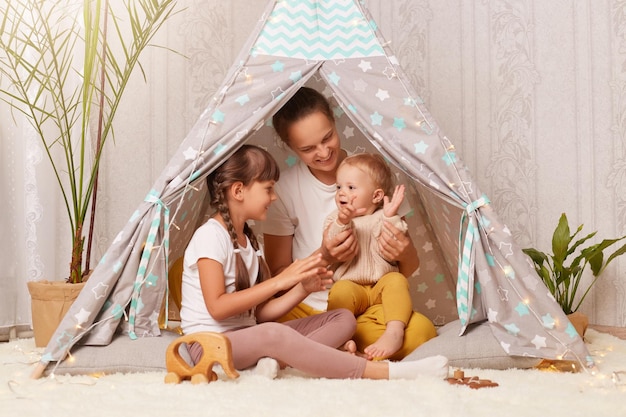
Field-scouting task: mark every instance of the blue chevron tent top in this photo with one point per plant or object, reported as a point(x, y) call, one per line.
point(471, 268)
point(318, 30)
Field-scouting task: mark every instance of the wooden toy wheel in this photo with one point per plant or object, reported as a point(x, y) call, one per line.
point(172, 378)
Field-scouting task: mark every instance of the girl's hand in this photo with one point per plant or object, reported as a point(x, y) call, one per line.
point(297, 281)
point(320, 282)
point(390, 207)
point(310, 271)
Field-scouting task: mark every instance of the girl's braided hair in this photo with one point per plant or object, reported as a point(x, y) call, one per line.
point(247, 165)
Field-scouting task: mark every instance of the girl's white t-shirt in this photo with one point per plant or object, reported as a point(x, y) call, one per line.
point(212, 241)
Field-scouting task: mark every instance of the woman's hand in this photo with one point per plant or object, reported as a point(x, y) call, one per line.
point(340, 248)
point(396, 246)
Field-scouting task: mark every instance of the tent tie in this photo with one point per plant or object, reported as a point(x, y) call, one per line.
point(475, 205)
point(146, 254)
point(465, 281)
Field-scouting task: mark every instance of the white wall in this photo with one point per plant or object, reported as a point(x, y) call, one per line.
point(532, 92)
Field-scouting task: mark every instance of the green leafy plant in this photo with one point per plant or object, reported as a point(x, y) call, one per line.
point(563, 279)
point(64, 66)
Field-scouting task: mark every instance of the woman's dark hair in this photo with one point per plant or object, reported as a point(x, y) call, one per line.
point(305, 102)
point(247, 165)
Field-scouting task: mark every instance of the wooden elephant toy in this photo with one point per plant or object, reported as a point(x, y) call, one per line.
point(216, 348)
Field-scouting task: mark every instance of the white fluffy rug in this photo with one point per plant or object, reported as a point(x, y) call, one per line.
point(520, 392)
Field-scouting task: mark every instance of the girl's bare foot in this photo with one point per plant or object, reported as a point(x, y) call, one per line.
point(349, 347)
point(389, 343)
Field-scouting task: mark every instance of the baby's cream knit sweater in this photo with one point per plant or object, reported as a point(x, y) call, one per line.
point(368, 266)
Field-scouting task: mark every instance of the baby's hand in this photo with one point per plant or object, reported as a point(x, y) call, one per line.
point(390, 207)
point(346, 212)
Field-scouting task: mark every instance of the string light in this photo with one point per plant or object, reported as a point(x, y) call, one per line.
point(507, 270)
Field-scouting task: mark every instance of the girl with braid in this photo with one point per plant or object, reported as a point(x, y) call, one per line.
point(227, 287)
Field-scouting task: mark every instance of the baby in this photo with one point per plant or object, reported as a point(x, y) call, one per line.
point(364, 183)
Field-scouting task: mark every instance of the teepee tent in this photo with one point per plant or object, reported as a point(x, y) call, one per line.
point(471, 269)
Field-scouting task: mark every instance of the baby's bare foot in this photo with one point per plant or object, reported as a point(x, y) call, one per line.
point(388, 344)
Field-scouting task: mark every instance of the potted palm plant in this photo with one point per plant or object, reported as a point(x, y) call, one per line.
point(64, 66)
point(563, 279)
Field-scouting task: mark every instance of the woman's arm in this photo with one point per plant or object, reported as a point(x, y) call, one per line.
point(278, 252)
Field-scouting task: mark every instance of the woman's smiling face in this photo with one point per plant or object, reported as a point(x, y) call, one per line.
point(315, 141)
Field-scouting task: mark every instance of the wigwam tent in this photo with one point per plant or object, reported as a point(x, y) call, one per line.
point(471, 269)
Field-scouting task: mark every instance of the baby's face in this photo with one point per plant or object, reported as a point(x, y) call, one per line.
point(355, 187)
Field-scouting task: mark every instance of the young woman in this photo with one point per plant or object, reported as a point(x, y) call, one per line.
point(306, 195)
point(227, 287)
